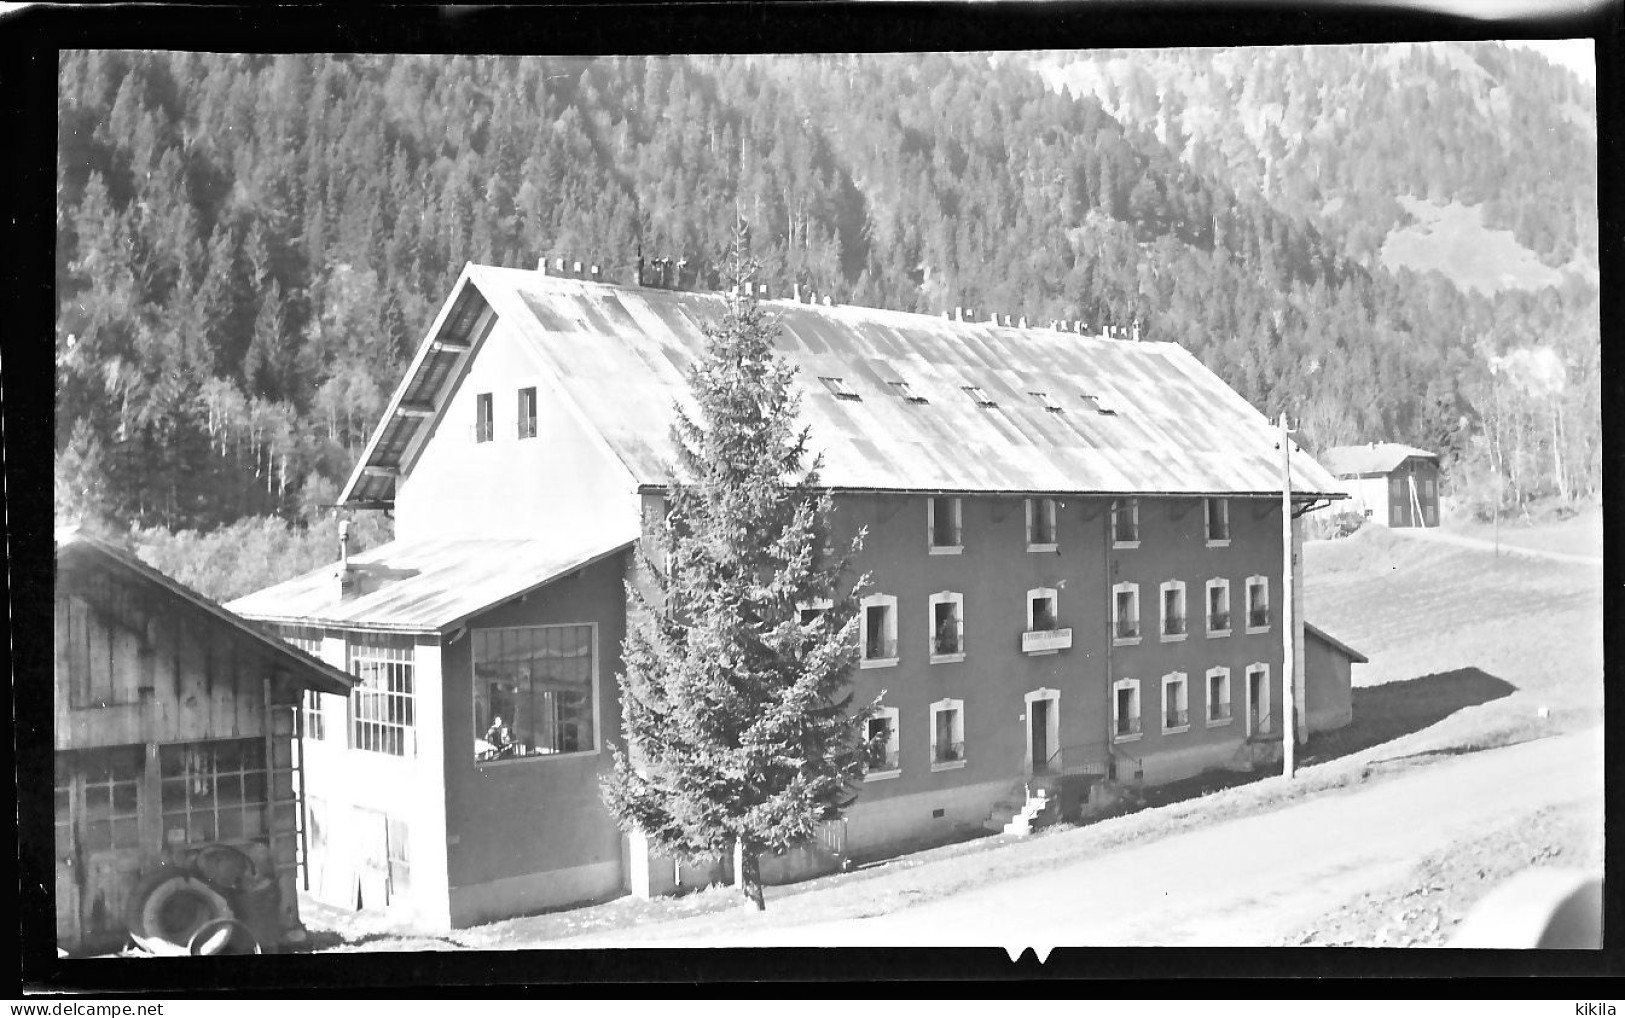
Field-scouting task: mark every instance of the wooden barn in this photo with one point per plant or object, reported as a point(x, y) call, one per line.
point(177, 780)
point(1392, 484)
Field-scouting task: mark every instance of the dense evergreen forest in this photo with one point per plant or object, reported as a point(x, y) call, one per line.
point(250, 247)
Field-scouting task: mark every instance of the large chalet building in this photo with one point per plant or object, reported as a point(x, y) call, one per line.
point(1074, 545)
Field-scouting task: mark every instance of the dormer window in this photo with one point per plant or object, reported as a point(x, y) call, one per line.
point(527, 412)
point(484, 419)
point(1048, 403)
point(977, 393)
point(907, 394)
point(839, 388)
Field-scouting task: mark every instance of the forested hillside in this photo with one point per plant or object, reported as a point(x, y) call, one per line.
point(250, 247)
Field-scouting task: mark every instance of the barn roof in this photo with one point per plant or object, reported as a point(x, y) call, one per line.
point(1129, 418)
point(1372, 458)
point(425, 586)
point(74, 548)
point(1336, 644)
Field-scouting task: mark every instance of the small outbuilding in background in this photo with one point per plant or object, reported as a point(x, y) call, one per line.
point(177, 784)
point(1392, 484)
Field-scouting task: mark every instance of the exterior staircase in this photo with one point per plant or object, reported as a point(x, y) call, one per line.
point(1030, 804)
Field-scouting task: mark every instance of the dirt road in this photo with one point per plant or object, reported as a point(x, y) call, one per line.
point(1249, 882)
point(1479, 543)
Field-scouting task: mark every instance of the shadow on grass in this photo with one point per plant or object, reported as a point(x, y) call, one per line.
point(1381, 714)
point(1395, 709)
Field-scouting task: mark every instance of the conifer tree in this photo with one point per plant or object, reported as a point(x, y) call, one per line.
point(735, 699)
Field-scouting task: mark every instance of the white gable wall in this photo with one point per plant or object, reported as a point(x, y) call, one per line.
point(512, 487)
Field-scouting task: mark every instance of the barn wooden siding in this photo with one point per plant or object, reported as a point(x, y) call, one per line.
point(138, 666)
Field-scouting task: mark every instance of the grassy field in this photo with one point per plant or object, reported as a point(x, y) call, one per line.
point(1468, 651)
point(1579, 534)
point(1454, 240)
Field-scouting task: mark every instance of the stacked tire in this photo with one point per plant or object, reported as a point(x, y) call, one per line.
point(206, 902)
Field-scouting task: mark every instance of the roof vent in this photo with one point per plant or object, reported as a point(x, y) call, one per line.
point(909, 396)
point(839, 387)
point(980, 395)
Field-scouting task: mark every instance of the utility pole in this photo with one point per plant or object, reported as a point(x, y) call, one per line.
point(1289, 707)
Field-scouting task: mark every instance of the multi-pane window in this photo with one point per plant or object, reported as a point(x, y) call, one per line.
point(214, 791)
point(533, 691)
point(1173, 610)
point(947, 734)
point(1175, 703)
point(309, 640)
point(1043, 609)
point(1126, 710)
point(382, 705)
point(484, 419)
point(1217, 514)
point(880, 743)
point(947, 626)
point(1218, 695)
point(525, 414)
point(1258, 603)
point(111, 783)
point(942, 522)
point(1125, 522)
point(877, 631)
point(1218, 607)
point(1126, 612)
point(1041, 524)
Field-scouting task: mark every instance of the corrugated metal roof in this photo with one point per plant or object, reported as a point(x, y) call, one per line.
point(622, 354)
point(424, 586)
point(1372, 458)
point(308, 672)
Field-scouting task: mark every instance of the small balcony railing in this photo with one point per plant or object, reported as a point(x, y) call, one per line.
point(1176, 719)
point(1218, 622)
point(880, 648)
point(1127, 725)
point(949, 752)
point(1173, 625)
point(1218, 711)
point(880, 758)
point(527, 427)
point(1128, 627)
point(1258, 618)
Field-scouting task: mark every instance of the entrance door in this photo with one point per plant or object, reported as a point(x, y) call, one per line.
point(1257, 716)
point(1038, 720)
point(371, 829)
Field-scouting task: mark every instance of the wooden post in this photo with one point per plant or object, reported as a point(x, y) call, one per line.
point(1289, 707)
